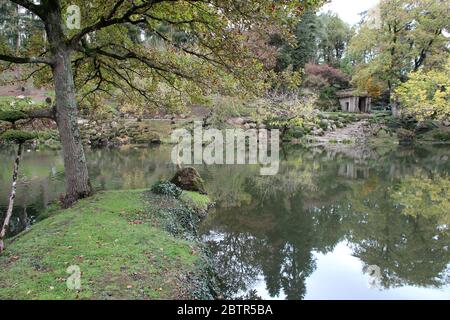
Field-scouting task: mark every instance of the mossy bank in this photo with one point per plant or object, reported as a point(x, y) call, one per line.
point(127, 244)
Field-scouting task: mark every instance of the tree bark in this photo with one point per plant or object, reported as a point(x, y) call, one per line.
point(11, 198)
point(77, 178)
point(392, 101)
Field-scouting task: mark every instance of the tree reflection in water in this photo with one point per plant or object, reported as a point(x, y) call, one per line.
point(318, 201)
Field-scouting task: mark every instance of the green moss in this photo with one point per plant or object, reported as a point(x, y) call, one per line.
point(196, 200)
point(12, 115)
point(116, 240)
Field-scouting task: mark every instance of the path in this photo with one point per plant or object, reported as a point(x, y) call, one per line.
point(353, 133)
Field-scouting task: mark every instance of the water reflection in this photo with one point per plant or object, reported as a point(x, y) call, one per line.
point(312, 231)
point(320, 202)
point(41, 177)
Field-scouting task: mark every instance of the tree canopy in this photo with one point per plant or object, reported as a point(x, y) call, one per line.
point(427, 93)
point(396, 38)
point(162, 53)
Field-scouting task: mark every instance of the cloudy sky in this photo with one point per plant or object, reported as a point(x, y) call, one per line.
point(349, 10)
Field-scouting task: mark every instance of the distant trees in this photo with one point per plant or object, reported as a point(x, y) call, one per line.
point(19, 29)
point(332, 39)
point(399, 37)
point(317, 52)
point(319, 39)
point(303, 48)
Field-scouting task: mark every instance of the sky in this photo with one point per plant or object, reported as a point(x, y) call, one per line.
point(348, 10)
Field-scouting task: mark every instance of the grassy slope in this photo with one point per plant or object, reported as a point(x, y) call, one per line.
point(120, 256)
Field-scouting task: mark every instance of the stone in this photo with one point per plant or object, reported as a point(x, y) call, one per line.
point(236, 121)
point(189, 179)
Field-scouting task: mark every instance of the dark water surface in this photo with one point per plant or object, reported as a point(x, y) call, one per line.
point(330, 225)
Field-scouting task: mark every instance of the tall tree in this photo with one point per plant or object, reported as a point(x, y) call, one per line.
point(398, 37)
point(332, 39)
point(306, 33)
point(300, 50)
point(100, 58)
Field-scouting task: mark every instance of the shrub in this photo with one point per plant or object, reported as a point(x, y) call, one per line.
point(324, 124)
point(327, 74)
point(166, 188)
point(426, 94)
point(442, 136)
point(405, 137)
point(298, 132)
point(12, 115)
point(17, 136)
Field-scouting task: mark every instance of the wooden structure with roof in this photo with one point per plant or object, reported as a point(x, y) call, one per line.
point(353, 101)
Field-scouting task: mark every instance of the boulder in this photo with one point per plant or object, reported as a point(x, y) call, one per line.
point(236, 121)
point(189, 179)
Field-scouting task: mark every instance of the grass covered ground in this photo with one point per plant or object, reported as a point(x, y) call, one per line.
point(119, 241)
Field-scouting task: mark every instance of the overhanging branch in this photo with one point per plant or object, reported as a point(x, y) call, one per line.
point(110, 20)
point(42, 113)
point(25, 60)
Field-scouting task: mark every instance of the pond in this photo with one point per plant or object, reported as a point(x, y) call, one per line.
point(331, 225)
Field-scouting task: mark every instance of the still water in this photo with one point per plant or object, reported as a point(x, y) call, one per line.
point(330, 225)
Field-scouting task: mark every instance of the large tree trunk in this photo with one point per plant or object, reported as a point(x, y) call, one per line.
point(76, 172)
point(392, 101)
point(12, 196)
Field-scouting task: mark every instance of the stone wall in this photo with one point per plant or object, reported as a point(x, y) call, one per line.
point(103, 133)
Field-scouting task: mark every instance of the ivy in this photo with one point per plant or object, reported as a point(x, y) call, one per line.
point(166, 188)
